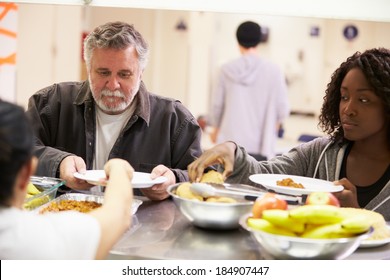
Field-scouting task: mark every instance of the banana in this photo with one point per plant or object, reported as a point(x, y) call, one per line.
point(266, 226)
point(184, 191)
point(356, 224)
point(325, 232)
point(34, 203)
point(317, 214)
point(31, 189)
point(281, 218)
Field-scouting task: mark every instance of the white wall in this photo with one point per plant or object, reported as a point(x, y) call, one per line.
point(183, 64)
point(48, 47)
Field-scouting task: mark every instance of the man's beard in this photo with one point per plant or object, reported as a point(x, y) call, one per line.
point(110, 107)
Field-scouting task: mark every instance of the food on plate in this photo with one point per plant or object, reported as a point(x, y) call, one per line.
point(322, 198)
point(267, 201)
point(288, 182)
point(184, 191)
point(67, 205)
point(212, 177)
point(381, 230)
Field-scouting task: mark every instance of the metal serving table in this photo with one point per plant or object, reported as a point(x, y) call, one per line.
point(160, 231)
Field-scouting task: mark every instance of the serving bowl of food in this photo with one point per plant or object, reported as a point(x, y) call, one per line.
point(215, 212)
point(41, 190)
point(79, 202)
point(307, 232)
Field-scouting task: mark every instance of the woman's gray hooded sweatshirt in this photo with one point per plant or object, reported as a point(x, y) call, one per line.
point(320, 158)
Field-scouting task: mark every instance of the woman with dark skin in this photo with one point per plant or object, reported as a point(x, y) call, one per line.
point(356, 153)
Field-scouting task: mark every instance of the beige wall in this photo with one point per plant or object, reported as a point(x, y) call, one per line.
point(48, 47)
point(183, 65)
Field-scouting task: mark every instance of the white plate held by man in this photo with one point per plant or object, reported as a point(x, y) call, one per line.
point(140, 179)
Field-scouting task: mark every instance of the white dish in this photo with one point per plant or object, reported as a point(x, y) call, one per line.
point(310, 184)
point(140, 179)
point(374, 243)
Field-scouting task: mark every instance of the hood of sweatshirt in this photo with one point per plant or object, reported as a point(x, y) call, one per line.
point(244, 70)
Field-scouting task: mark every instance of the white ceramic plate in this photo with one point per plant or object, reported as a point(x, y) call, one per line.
point(310, 184)
point(374, 243)
point(140, 179)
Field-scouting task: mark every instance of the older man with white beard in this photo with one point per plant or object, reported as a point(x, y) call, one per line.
point(80, 125)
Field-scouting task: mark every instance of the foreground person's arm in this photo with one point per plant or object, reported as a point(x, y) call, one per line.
point(115, 215)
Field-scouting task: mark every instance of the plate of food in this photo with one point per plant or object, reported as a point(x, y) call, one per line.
point(140, 179)
point(294, 185)
point(371, 243)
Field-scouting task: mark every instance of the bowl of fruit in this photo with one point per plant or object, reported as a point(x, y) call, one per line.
point(317, 230)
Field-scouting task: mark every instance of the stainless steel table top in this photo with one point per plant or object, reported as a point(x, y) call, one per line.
point(160, 231)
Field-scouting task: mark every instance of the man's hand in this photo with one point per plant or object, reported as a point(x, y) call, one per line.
point(159, 191)
point(68, 167)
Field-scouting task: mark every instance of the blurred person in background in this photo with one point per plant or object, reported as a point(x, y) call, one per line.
point(206, 142)
point(250, 100)
point(61, 235)
point(80, 125)
point(355, 115)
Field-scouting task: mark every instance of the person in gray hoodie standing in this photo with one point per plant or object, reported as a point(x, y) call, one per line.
point(250, 99)
point(355, 115)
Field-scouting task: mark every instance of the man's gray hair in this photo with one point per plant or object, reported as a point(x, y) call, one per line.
point(116, 35)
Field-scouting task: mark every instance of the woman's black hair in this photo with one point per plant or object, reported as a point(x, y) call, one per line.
point(16, 144)
point(375, 65)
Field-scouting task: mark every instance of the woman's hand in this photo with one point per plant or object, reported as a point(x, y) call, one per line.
point(348, 196)
point(220, 154)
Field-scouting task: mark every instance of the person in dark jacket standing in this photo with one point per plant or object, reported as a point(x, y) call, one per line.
point(80, 125)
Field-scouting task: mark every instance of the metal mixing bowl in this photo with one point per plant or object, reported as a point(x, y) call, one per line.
point(287, 247)
point(211, 215)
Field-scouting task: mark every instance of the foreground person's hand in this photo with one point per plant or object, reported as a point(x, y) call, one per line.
point(159, 191)
point(348, 196)
point(220, 154)
point(68, 167)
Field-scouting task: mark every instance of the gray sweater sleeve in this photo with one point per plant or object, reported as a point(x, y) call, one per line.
point(306, 159)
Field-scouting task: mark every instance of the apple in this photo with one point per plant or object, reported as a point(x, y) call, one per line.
point(265, 202)
point(322, 198)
